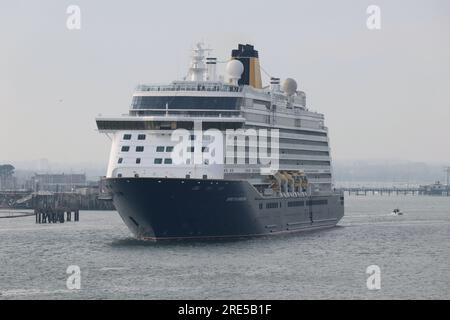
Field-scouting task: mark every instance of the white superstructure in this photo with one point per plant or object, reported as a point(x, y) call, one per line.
point(142, 145)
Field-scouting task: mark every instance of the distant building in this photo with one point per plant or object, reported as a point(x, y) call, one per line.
point(8, 183)
point(435, 189)
point(58, 182)
point(7, 179)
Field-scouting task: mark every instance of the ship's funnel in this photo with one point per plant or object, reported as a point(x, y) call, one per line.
point(250, 59)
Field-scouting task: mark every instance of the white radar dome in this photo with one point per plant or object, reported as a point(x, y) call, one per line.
point(235, 69)
point(289, 86)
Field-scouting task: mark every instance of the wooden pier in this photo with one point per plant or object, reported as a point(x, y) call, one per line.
point(56, 208)
point(364, 191)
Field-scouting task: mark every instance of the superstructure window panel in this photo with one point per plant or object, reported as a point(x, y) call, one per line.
point(125, 149)
point(311, 124)
point(302, 137)
point(164, 125)
point(127, 137)
point(222, 126)
point(139, 149)
point(302, 158)
point(316, 202)
point(305, 162)
point(292, 146)
point(142, 125)
point(185, 102)
point(272, 205)
point(262, 103)
point(142, 137)
point(285, 121)
point(296, 204)
point(256, 117)
point(319, 176)
point(304, 142)
point(305, 152)
point(295, 131)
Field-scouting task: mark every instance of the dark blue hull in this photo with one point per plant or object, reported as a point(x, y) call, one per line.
point(161, 209)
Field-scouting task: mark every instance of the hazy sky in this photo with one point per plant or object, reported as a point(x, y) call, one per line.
point(384, 93)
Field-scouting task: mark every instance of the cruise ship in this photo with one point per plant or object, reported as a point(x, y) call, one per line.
point(217, 156)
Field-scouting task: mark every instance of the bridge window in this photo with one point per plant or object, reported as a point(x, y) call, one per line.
point(186, 102)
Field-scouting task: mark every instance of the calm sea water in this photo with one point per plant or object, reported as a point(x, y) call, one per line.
point(413, 252)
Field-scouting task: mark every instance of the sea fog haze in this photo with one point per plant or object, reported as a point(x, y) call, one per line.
point(412, 252)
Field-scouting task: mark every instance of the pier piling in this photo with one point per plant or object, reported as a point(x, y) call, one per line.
point(56, 208)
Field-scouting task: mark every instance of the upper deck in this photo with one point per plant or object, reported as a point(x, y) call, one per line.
point(236, 97)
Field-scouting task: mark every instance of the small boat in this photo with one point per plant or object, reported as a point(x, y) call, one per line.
point(397, 212)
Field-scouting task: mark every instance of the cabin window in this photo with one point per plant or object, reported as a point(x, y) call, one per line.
point(296, 204)
point(125, 149)
point(158, 161)
point(169, 149)
point(317, 202)
point(159, 149)
point(138, 160)
point(168, 161)
point(272, 205)
point(120, 160)
point(127, 137)
point(140, 149)
point(141, 137)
